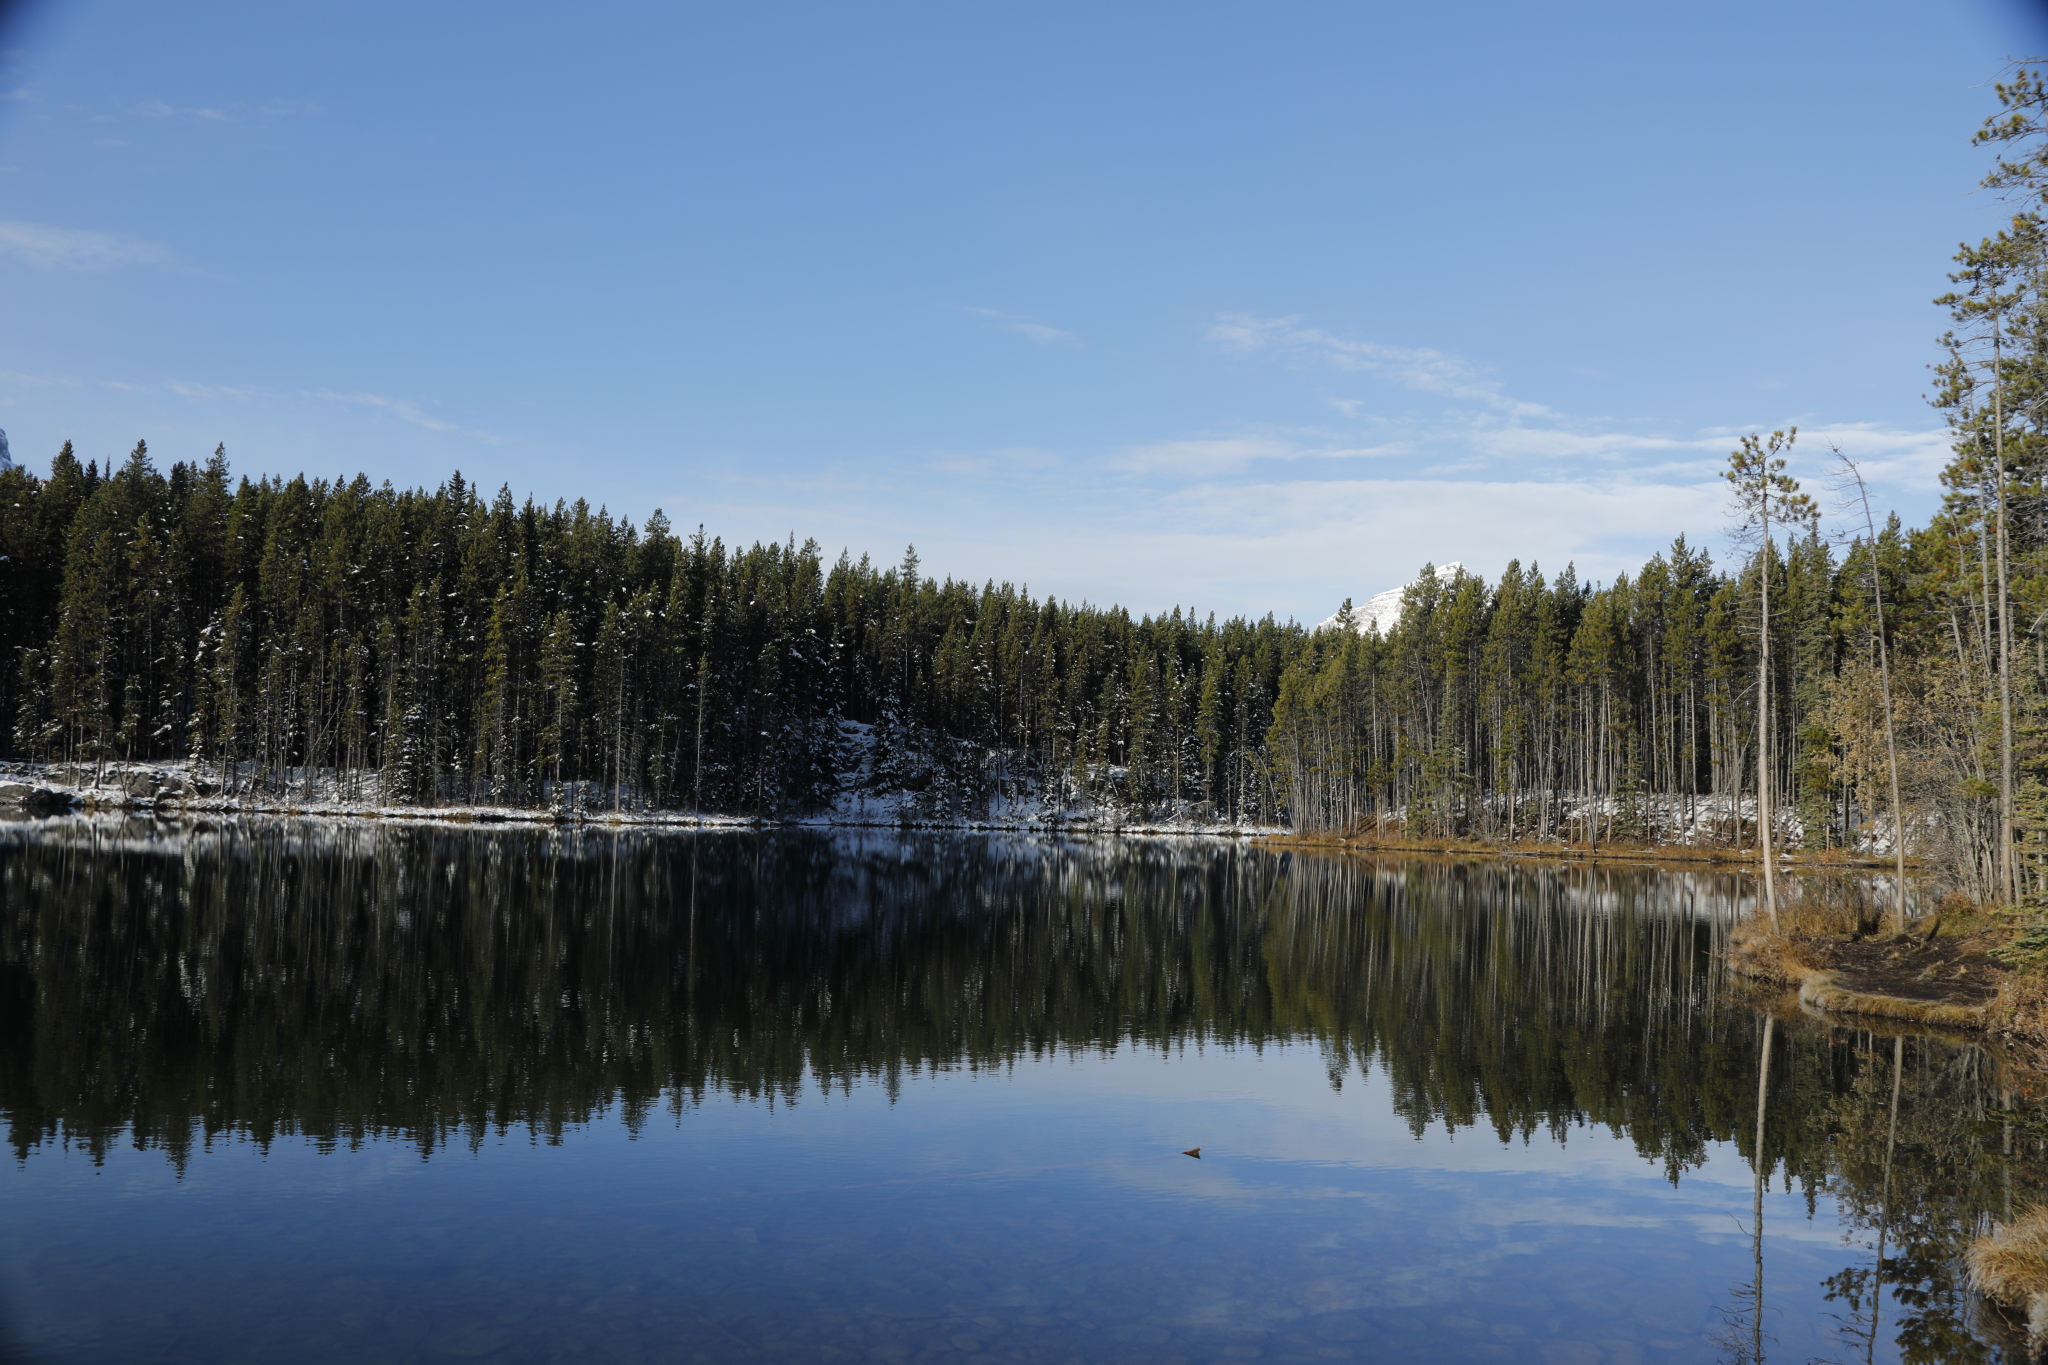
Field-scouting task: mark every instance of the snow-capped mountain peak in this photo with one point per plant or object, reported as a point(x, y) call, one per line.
point(1383, 609)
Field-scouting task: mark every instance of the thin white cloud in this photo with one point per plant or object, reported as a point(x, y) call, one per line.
point(38, 380)
point(1551, 520)
point(1413, 367)
point(1912, 457)
point(403, 409)
point(157, 109)
point(398, 407)
point(235, 113)
point(46, 247)
point(1203, 457)
point(1022, 326)
point(239, 393)
point(1490, 433)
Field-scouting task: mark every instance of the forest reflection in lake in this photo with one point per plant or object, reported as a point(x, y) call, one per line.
point(355, 1092)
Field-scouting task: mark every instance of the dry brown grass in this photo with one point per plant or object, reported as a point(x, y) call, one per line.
point(1754, 950)
point(1801, 959)
point(2022, 1005)
point(1540, 851)
point(2010, 1264)
point(1824, 991)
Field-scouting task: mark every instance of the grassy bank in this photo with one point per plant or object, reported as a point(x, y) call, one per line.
point(1621, 851)
point(1950, 968)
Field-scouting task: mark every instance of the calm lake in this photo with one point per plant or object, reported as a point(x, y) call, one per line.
point(284, 1091)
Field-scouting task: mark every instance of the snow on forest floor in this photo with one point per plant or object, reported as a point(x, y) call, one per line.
point(184, 788)
point(868, 796)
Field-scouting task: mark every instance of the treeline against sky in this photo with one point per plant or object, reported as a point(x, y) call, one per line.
point(452, 648)
point(1896, 686)
point(442, 647)
point(1549, 708)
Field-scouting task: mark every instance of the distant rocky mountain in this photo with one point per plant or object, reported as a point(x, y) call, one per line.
point(1384, 609)
point(6, 460)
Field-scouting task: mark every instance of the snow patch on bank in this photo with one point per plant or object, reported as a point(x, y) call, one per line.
point(886, 778)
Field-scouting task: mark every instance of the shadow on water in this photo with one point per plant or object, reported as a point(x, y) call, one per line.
point(163, 988)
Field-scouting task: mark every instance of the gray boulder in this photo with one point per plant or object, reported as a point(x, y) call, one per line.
point(20, 796)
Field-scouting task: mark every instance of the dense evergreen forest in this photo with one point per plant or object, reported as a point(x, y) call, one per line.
point(444, 646)
point(1850, 677)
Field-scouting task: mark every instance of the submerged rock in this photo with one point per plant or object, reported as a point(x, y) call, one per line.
point(32, 800)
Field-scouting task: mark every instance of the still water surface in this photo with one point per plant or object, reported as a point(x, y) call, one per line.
point(280, 1091)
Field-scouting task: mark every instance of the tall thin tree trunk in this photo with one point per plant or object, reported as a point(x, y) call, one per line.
point(1763, 1078)
point(1763, 735)
point(697, 778)
point(1884, 1215)
point(1884, 677)
point(2005, 746)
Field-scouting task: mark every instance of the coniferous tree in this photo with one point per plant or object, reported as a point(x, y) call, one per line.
point(1763, 494)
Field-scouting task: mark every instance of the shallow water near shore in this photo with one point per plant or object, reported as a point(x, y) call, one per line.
point(294, 1090)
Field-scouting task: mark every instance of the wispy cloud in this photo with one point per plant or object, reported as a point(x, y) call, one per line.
point(236, 393)
point(1022, 326)
point(157, 109)
point(1910, 456)
point(46, 247)
point(269, 111)
point(1487, 433)
point(1412, 367)
point(1207, 456)
point(403, 409)
point(1349, 501)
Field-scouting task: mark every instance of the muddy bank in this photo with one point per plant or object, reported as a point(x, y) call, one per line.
point(1804, 861)
point(1918, 977)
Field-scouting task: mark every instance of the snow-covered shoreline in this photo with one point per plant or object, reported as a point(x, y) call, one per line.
point(183, 790)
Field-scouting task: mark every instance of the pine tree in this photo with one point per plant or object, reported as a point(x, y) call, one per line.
point(557, 699)
point(1762, 493)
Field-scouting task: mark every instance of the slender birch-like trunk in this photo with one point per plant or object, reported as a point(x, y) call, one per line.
point(1763, 730)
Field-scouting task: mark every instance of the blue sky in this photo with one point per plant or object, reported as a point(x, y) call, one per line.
point(1244, 307)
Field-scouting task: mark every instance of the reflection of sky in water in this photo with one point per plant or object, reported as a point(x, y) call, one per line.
point(1026, 1201)
point(1041, 1211)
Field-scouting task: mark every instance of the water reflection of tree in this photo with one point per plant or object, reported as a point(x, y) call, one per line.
point(1742, 1337)
point(433, 984)
point(1919, 1177)
point(436, 983)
